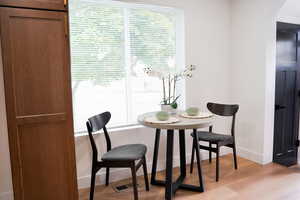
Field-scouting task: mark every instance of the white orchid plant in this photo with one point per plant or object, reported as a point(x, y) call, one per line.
point(169, 82)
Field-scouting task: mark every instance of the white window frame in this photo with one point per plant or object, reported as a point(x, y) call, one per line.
point(179, 56)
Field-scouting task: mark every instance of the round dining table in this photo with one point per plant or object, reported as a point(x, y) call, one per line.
point(180, 126)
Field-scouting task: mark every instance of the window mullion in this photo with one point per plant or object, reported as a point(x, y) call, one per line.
point(127, 47)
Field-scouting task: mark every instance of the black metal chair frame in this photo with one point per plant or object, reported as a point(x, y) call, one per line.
point(225, 111)
point(95, 124)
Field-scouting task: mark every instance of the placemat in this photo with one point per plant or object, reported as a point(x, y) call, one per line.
point(201, 115)
point(154, 120)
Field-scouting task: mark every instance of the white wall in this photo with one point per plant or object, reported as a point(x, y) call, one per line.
point(207, 35)
point(253, 75)
point(290, 12)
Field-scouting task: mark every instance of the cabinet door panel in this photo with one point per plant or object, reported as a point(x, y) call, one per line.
point(43, 4)
point(49, 160)
point(38, 102)
point(33, 54)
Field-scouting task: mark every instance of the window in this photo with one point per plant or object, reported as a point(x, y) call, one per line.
point(111, 44)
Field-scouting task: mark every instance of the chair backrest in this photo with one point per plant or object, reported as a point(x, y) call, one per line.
point(94, 124)
point(224, 110)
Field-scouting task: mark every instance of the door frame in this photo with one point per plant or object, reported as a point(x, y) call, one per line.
point(282, 26)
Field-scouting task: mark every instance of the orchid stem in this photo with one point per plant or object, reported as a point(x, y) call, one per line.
point(174, 87)
point(169, 89)
point(164, 90)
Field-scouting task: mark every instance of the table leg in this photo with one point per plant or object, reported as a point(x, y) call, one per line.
point(196, 144)
point(182, 153)
point(169, 165)
point(172, 187)
point(155, 156)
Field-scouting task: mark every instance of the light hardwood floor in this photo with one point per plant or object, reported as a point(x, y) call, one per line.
point(250, 182)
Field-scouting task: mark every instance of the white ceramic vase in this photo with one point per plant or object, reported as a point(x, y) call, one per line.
point(168, 108)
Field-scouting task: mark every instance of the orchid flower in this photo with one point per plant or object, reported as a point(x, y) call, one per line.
point(171, 77)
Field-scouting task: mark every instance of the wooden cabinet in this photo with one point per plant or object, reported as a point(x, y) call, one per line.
point(40, 4)
point(35, 52)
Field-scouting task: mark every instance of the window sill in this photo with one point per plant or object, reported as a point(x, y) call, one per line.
point(113, 129)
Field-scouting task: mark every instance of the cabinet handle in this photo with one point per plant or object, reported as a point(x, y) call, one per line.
point(65, 3)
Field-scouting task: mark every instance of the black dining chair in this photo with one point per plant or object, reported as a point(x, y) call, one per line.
point(124, 156)
point(216, 139)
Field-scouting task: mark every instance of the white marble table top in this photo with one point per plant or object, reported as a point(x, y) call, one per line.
point(183, 123)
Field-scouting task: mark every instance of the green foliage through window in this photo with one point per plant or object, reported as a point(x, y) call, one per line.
point(100, 32)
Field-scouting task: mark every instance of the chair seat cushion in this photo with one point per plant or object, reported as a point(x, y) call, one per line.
point(127, 152)
point(214, 137)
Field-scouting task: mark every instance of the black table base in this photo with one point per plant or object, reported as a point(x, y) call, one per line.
point(172, 187)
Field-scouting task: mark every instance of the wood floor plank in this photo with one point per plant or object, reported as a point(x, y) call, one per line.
point(250, 181)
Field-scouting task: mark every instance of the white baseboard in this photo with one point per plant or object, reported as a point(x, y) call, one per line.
point(250, 155)
point(6, 196)
point(120, 174)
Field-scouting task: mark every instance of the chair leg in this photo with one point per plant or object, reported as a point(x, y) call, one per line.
point(145, 173)
point(193, 158)
point(210, 152)
point(197, 151)
point(234, 157)
point(134, 182)
point(107, 176)
point(217, 164)
point(92, 188)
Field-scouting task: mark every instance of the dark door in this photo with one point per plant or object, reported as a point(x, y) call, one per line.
point(287, 95)
point(38, 104)
point(43, 4)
